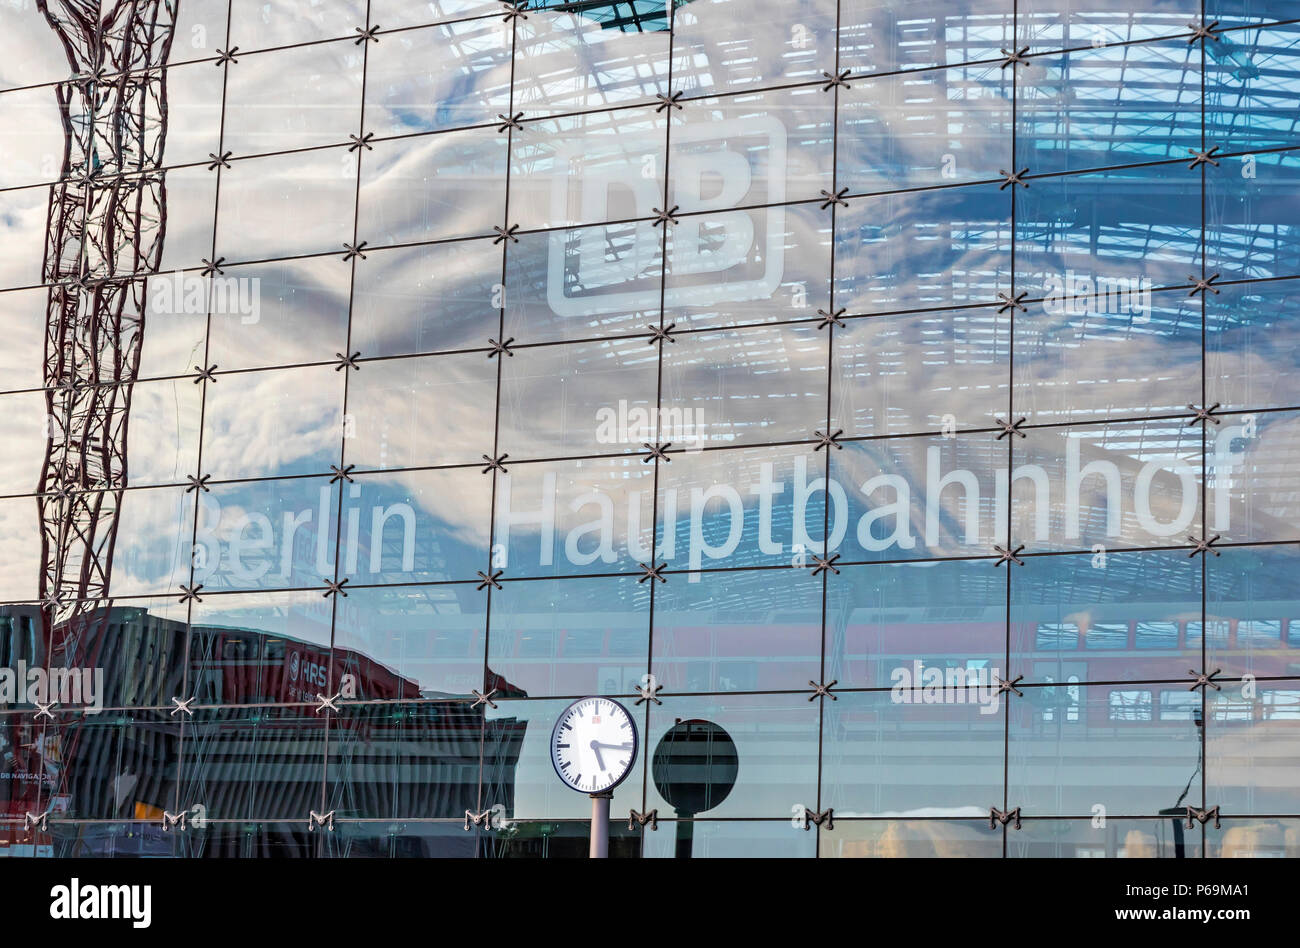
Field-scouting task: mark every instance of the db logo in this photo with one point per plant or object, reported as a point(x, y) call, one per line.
point(293, 666)
point(719, 254)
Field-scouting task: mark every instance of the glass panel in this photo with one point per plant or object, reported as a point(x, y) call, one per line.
point(24, 314)
point(31, 137)
point(750, 839)
point(1254, 593)
point(1117, 839)
point(915, 839)
point(316, 190)
point(1251, 209)
point(25, 430)
point(1253, 352)
point(885, 35)
point(1252, 741)
point(23, 216)
point(1068, 24)
point(1251, 78)
point(1253, 496)
point(262, 24)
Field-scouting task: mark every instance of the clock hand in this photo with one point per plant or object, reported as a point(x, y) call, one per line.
point(599, 760)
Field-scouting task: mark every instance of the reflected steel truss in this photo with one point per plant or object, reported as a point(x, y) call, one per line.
point(107, 219)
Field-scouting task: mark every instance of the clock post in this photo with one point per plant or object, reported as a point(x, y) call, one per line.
point(600, 825)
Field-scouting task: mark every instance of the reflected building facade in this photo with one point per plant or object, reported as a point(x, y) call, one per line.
point(897, 388)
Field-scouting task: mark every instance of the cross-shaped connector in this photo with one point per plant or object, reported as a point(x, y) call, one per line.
point(367, 34)
point(71, 386)
point(188, 593)
point(641, 819)
point(173, 820)
point(351, 251)
point(997, 816)
point(505, 233)
point(828, 440)
point(661, 334)
point(481, 698)
point(831, 319)
point(1202, 679)
point(1010, 428)
point(205, 375)
point(1203, 157)
point(665, 217)
point(1005, 687)
point(1202, 415)
point(813, 818)
point(1013, 177)
point(1008, 556)
point(183, 706)
point(495, 464)
point(321, 819)
point(500, 348)
point(829, 199)
point(52, 602)
point(489, 579)
point(39, 820)
point(347, 361)
point(825, 565)
point(362, 141)
point(1201, 285)
point(219, 161)
point(823, 691)
point(1016, 58)
point(1203, 546)
point(835, 80)
point(333, 588)
point(510, 122)
point(1202, 31)
point(198, 484)
point(514, 11)
point(211, 267)
point(227, 56)
point(1203, 816)
point(323, 703)
point(341, 473)
point(656, 452)
point(1009, 302)
point(669, 101)
point(648, 693)
point(43, 710)
point(651, 571)
point(477, 819)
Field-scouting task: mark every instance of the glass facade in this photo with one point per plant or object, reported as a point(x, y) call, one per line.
point(892, 402)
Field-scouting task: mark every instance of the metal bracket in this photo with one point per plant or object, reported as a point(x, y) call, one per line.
point(1203, 285)
point(1203, 414)
point(652, 572)
point(227, 56)
point(813, 818)
point(489, 579)
point(1009, 686)
point(191, 592)
point(213, 267)
point(198, 484)
point(183, 706)
point(661, 334)
point(665, 217)
point(510, 122)
point(362, 141)
point(205, 375)
point(501, 347)
point(323, 703)
point(828, 440)
point(656, 452)
point(835, 80)
point(1203, 679)
point(669, 101)
point(1203, 157)
point(354, 250)
point(480, 698)
point(1008, 556)
point(1009, 301)
point(824, 565)
point(1203, 546)
point(831, 319)
point(515, 11)
point(335, 588)
point(1017, 58)
point(1203, 816)
point(641, 819)
point(648, 694)
point(1010, 428)
point(39, 820)
point(505, 233)
point(836, 198)
point(43, 710)
point(173, 820)
point(823, 691)
point(220, 161)
point(495, 464)
point(347, 361)
point(1013, 177)
point(1202, 32)
point(341, 473)
point(997, 816)
point(483, 819)
point(367, 34)
point(321, 819)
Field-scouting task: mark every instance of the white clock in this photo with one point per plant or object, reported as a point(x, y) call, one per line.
point(594, 744)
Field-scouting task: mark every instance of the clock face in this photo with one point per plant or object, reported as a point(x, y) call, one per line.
point(594, 744)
